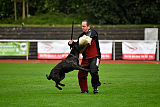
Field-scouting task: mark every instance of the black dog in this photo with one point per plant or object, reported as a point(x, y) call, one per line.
point(70, 63)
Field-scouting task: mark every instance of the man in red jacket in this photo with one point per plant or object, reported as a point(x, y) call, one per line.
point(91, 56)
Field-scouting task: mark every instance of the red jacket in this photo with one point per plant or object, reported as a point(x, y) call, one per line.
point(92, 50)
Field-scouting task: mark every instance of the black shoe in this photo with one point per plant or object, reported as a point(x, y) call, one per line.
point(95, 91)
point(85, 92)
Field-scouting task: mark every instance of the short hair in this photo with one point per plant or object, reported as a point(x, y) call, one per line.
point(88, 22)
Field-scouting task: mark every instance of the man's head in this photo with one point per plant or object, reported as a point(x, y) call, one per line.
point(85, 26)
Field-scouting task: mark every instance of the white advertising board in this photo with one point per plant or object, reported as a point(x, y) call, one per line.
point(138, 51)
point(59, 49)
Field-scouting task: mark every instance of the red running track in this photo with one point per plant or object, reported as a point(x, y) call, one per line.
point(57, 61)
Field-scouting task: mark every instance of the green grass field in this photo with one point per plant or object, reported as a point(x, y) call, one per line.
point(123, 85)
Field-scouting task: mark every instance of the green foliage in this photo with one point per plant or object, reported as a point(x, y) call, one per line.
point(49, 19)
point(6, 8)
point(124, 12)
point(97, 11)
point(123, 85)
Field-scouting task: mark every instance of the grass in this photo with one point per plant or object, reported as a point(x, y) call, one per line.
point(49, 19)
point(59, 19)
point(123, 85)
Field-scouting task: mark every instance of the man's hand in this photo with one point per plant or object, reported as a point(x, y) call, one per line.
point(70, 42)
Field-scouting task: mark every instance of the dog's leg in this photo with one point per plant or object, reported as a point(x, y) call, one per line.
point(84, 65)
point(61, 84)
point(80, 68)
point(48, 77)
point(87, 70)
point(58, 86)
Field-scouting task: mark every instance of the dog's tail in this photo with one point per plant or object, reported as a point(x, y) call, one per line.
point(48, 77)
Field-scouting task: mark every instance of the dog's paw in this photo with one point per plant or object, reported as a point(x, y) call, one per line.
point(59, 88)
point(61, 84)
point(88, 70)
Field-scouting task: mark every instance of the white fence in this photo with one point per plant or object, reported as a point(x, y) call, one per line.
point(113, 43)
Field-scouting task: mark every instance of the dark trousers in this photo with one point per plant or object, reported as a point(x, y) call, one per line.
point(82, 75)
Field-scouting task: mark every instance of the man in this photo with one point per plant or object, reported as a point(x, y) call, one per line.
point(91, 56)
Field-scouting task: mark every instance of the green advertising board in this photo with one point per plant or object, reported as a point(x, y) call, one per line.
point(14, 48)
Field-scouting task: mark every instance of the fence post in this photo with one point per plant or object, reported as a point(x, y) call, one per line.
point(157, 50)
point(113, 50)
point(27, 51)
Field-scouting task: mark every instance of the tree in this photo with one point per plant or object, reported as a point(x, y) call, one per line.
point(98, 11)
point(23, 8)
point(6, 9)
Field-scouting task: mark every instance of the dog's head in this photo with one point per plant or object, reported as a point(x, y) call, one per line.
point(75, 48)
